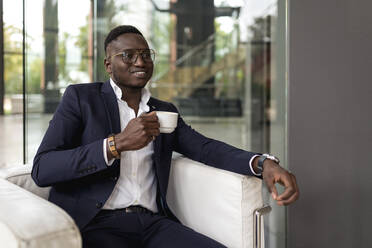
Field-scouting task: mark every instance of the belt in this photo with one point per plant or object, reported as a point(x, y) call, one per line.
point(137, 209)
point(130, 209)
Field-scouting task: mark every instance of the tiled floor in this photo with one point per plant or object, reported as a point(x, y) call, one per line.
point(11, 137)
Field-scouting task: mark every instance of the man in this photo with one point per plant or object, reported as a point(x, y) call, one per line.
point(108, 165)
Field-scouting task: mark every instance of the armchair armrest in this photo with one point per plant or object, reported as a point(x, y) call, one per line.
point(217, 203)
point(21, 175)
point(27, 220)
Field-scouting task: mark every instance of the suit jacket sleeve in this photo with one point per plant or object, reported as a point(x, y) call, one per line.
point(209, 151)
point(61, 157)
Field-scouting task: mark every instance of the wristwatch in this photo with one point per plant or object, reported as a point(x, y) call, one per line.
point(261, 160)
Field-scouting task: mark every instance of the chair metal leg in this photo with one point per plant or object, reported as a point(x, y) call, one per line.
point(258, 226)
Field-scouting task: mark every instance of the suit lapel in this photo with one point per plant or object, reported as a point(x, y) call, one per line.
point(162, 182)
point(111, 107)
point(157, 141)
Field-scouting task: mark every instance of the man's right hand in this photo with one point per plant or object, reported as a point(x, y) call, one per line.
point(138, 133)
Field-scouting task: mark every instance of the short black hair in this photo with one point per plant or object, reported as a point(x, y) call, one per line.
point(119, 30)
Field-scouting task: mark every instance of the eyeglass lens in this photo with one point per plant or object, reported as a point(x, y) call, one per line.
point(131, 55)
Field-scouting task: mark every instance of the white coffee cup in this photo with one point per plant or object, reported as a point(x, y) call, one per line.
point(167, 120)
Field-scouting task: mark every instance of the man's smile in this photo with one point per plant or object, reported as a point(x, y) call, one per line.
point(139, 73)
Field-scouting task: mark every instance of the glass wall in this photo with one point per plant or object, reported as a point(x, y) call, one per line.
point(11, 80)
point(221, 62)
point(58, 53)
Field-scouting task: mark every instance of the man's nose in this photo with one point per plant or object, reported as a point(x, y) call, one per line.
point(139, 60)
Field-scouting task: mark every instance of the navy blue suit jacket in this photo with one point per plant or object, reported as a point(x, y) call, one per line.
point(70, 157)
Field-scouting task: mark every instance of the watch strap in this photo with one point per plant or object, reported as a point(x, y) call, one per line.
point(262, 159)
point(112, 146)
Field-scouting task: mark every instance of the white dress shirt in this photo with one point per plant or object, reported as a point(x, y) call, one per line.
point(137, 182)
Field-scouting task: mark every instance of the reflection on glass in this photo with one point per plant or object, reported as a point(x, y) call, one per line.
point(222, 62)
point(59, 52)
point(11, 149)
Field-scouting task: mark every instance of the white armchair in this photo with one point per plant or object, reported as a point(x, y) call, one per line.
point(222, 205)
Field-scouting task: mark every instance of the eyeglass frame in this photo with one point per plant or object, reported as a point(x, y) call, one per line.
point(138, 52)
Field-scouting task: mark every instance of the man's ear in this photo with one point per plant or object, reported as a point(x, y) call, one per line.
point(107, 63)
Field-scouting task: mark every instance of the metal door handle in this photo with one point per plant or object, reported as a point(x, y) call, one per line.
point(257, 225)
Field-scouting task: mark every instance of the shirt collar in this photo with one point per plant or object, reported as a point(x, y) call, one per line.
point(145, 97)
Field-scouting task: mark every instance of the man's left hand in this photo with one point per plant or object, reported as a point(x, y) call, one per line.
point(273, 174)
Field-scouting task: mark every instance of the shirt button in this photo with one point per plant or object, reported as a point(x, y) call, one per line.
point(99, 204)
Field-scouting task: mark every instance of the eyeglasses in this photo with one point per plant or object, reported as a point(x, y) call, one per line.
point(129, 56)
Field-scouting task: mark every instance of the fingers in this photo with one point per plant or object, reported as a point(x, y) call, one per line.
point(297, 193)
point(271, 187)
point(139, 132)
point(150, 126)
point(273, 174)
point(152, 113)
point(149, 117)
point(152, 132)
point(291, 192)
point(149, 123)
point(286, 180)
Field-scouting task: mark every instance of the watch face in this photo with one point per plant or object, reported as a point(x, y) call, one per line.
point(271, 157)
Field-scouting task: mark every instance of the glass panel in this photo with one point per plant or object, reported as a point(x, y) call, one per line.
point(59, 52)
point(224, 66)
point(11, 147)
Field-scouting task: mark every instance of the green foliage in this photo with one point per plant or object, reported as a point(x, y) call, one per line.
point(223, 42)
point(110, 10)
point(13, 74)
point(34, 76)
point(13, 60)
point(160, 37)
point(82, 43)
point(62, 52)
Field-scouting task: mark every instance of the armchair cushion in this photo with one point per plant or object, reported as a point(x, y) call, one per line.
point(21, 175)
point(214, 202)
point(27, 220)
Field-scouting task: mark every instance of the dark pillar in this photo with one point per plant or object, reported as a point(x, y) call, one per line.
point(51, 89)
point(195, 23)
point(261, 82)
point(2, 88)
point(103, 24)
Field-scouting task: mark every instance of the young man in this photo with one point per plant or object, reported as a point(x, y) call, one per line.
point(108, 165)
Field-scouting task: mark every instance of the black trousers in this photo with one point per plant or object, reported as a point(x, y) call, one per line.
point(117, 229)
